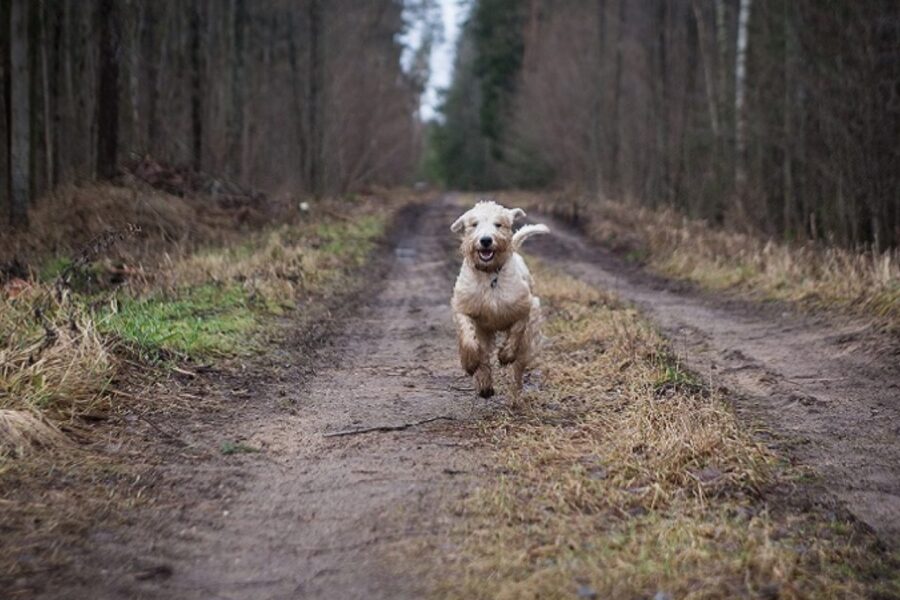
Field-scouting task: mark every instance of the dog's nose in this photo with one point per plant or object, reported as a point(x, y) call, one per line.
point(486, 242)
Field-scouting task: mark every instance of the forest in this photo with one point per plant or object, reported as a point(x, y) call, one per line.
point(778, 116)
point(450, 299)
point(303, 95)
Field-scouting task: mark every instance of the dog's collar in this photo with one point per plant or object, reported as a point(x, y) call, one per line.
point(496, 278)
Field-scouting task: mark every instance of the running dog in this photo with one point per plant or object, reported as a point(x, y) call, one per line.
point(494, 293)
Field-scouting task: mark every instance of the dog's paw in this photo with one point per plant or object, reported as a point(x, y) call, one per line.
point(470, 359)
point(506, 355)
point(486, 392)
point(470, 366)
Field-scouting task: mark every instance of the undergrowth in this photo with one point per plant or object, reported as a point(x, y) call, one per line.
point(62, 345)
point(626, 477)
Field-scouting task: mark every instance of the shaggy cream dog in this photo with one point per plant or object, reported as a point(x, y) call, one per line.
point(493, 294)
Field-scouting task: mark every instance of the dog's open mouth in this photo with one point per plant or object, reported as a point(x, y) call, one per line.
point(486, 255)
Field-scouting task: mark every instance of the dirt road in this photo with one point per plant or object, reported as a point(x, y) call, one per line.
point(313, 516)
point(319, 521)
point(828, 391)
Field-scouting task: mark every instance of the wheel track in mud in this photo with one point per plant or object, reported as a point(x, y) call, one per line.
point(318, 517)
point(827, 390)
point(324, 517)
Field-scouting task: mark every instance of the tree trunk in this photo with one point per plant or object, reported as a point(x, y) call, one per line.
point(19, 119)
point(196, 88)
point(298, 93)
point(151, 42)
point(313, 100)
point(65, 97)
point(5, 47)
point(661, 82)
point(595, 183)
point(108, 90)
point(712, 102)
point(787, 158)
point(722, 45)
point(740, 116)
point(35, 183)
point(136, 17)
point(614, 175)
point(236, 110)
point(45, 98)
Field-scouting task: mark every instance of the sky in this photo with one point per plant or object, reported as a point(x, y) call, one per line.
point(452, 12)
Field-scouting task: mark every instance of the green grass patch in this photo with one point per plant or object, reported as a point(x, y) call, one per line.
point(352, 241)
point(53, 268)
point(229, 448)
point(222, 296)
point(204, 321)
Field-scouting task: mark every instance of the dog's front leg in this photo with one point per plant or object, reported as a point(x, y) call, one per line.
point(469, 345)
point(511, 347)
point(484, 381)
point(475, 348)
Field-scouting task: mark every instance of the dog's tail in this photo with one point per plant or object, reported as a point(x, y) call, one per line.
point(525, 232)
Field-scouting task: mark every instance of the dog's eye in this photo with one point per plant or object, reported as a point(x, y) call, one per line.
point(474, 224)
point(498, 225)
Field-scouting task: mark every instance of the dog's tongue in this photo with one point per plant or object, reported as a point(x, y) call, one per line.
point(486, 255)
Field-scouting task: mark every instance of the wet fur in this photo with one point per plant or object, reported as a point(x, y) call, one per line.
point(496, 296)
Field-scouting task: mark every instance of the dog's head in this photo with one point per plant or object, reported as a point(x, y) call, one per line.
point(487, 230)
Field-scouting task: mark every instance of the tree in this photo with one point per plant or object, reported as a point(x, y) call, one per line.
point(314, 71)
point(236, 109)
point(196, 86)
point(786, 109)
point(109, 32)
point(307, 94)
point(740, 115)
point(20, 114)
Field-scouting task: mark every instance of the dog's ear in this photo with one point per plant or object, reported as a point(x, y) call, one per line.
point(515, 213)
point(458, 224)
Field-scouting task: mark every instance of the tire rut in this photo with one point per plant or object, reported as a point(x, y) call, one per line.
point(828, 391)
point(328, 517)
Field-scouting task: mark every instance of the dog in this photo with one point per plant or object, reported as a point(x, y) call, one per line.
point(494, 293)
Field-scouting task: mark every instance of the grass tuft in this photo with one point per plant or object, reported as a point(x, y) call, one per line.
point(61, 346)
point(53, 358)
point(22, 432)
point(229, 448)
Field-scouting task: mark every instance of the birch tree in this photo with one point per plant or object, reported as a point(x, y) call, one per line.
point(740, 115)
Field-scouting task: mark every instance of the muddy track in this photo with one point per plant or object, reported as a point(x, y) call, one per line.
point(313, 516)
point(825, 392)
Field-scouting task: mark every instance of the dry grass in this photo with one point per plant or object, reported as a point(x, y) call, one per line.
point(72, 459)
point(626, 478)
point(72, 215)
point(61, 348)
point(22, 432)
point(53, 360)
point(279, 265)
point(862, 283)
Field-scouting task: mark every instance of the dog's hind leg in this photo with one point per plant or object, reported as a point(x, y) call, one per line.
point(518, 375)
point(528, 345)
